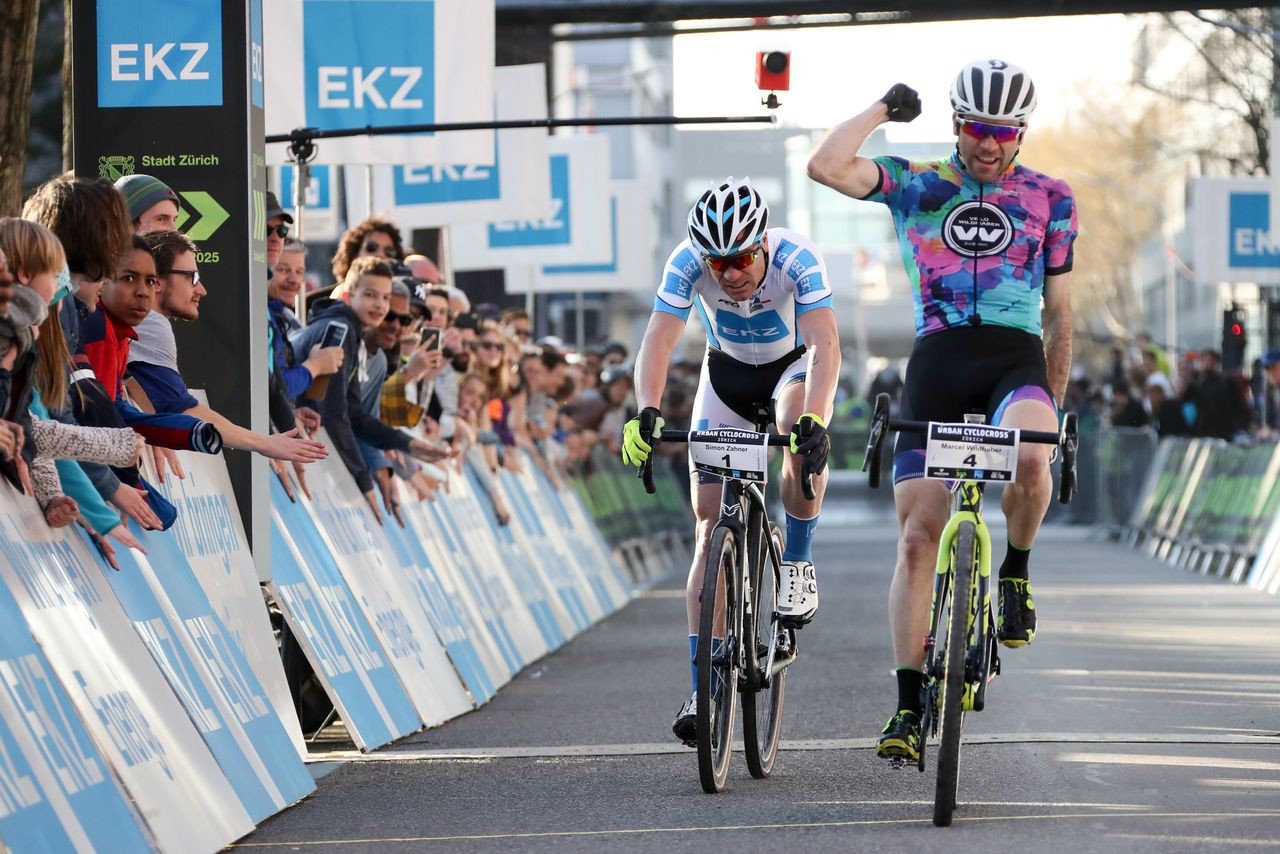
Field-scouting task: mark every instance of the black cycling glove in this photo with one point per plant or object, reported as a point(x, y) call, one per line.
point(809, 438)
point(903, 102)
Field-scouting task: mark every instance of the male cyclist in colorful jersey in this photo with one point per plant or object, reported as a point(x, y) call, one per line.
point(765, 303)
point(984, 240)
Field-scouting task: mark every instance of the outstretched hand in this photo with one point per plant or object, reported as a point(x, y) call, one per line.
point(903, 103)
point(292, 447)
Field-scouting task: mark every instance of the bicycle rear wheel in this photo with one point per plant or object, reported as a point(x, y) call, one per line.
point(717, 668)
point(762, 708)
point(959, 605)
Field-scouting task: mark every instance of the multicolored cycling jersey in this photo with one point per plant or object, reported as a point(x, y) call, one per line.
point(759, 330)
point(973, 249)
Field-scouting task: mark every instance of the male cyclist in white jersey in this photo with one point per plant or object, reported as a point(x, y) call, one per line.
point(988, 246)
point(765, 302)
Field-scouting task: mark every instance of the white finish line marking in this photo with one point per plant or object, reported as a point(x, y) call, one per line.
point(664, 748)
point(870, 822)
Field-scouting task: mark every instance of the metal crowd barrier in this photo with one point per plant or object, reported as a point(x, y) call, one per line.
point(1209, 506)
point(1112, 483)
point(652, 535)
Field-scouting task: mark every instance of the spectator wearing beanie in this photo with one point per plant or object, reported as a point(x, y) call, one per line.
point(152, 205)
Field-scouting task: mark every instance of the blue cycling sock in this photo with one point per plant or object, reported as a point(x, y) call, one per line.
point(799, 538)
point(716, 644)
point(693, 661)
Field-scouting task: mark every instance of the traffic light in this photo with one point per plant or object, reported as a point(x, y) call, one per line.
point(1234, 339)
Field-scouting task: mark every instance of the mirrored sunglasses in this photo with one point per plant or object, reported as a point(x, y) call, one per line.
point(982, 130)
point(740, 261)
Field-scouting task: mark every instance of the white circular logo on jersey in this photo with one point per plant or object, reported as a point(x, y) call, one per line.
point(976, 229)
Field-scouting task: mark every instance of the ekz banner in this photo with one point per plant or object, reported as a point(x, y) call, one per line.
point(631, 263)
point(335, 64)
point(517, 186)
point(577, 230)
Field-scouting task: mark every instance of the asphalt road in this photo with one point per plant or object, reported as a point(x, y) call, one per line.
point(1145, 718)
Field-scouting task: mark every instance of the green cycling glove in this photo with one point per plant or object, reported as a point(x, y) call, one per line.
point(638, 433)
point(809, 439)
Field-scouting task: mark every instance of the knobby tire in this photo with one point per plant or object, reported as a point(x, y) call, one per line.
point(715, 732)
point(762, 709)
point(951, 722)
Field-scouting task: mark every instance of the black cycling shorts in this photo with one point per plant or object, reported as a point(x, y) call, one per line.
point(964, 370)
point(745, 388)
point(731, 393)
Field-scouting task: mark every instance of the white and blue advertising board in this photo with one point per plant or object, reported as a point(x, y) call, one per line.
point(332, 630)
point(631, 262)
point(575, 232)
point(123, 699)
point(210, 536)
point(333, 64)
point(398, 615)
point(490, 599)
point(517, 186)
point(322, 211)
point(56, 791)
point(452, 623)
point(188, 643)
point(501, 545)
point(453, 572)
point(543, 527)
point(1236, 239)
point(555, 569)
point(500, 567)
point(572, 522)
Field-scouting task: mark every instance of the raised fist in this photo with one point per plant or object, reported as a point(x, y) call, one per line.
point(903, 102)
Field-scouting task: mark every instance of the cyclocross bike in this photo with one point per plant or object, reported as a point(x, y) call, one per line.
point(743, 647)
point(961, 655)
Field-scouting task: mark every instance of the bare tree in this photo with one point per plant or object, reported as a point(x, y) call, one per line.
point(1233, 80)
point(17, 51)
point(1110, 156)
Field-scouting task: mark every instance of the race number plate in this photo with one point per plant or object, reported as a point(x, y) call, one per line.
point(737, 454)
point(971, 452)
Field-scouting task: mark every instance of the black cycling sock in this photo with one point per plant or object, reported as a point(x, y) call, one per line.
point(910, 683)
point(1015, 562)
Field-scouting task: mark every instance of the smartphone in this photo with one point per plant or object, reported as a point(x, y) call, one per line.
point(430, 337)
point(334, 334)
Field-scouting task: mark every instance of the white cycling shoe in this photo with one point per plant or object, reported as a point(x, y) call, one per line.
point(797, 592)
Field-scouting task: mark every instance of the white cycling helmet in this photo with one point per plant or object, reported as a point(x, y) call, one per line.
point(728, 218)
point(994, 89)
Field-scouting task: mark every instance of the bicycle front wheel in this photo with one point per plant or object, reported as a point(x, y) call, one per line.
point(718, 627)
point(959, 606)
point(762, 708)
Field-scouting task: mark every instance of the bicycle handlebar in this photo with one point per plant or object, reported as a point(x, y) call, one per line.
point(1067, 439)
point(773, 439)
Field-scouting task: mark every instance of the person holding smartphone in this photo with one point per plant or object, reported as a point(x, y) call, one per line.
point(360, 304)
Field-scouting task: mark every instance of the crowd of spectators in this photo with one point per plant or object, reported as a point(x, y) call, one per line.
point(406, 377)
point(1185, 394)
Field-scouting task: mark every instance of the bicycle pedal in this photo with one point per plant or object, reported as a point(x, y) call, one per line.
point(900, 762)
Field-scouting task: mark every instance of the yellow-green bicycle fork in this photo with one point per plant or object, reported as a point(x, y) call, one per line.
point(977, 636)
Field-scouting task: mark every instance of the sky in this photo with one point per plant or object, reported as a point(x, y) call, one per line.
point(837, 72)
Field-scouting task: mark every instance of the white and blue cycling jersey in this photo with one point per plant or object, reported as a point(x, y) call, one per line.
point(761, 329)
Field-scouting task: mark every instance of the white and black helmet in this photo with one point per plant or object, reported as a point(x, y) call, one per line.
point(728, 218)
point(994, 89)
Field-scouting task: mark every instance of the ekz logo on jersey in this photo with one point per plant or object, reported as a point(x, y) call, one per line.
point(974, 229)
point(369, 62)
point(155, 53)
